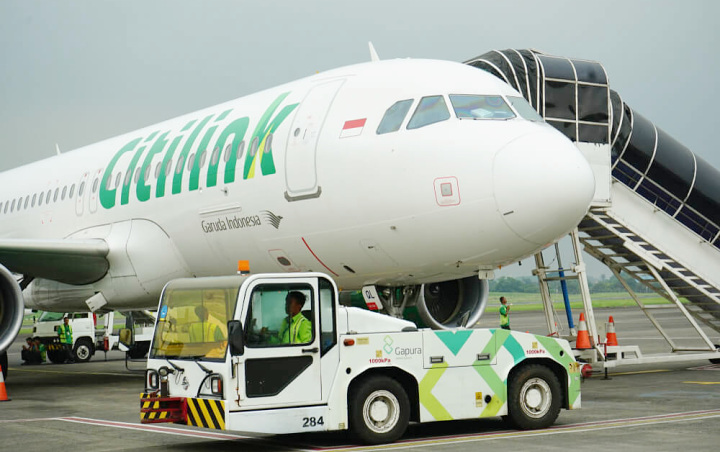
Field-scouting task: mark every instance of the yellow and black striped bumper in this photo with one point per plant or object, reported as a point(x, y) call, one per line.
point(180, 410)
point(154, 409)
point(206, 413)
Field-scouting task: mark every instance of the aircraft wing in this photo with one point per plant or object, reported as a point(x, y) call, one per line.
point(66, 261)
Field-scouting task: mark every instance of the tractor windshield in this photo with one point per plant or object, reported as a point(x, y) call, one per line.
point(192, 319)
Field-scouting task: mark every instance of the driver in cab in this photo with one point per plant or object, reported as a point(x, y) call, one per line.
point(295, 328)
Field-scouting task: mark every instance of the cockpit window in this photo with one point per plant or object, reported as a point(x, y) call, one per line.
point(480, 107)
point(394, 116)
point(524, 109)
point(430, 110)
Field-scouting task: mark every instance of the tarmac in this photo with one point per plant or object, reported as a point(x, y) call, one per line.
point(94, 406)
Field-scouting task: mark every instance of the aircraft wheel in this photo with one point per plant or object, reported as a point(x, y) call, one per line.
point(714, 361)
point(139, 350)
point(533, 397)
point(56, 355)
point(4, 364)
point(379, 410)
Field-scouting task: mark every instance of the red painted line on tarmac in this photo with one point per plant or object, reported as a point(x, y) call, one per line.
point(318, 259)
point(153, 428)
point(44, 419)
point(417, 442)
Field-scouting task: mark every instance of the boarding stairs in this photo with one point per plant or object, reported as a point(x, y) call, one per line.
point(636, 238)
point(655, 215)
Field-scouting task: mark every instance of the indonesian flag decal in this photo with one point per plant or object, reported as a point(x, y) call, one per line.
point(353, 128)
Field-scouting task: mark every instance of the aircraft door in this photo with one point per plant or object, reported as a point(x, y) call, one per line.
point(281, 363)
point(80, 200)
point(300, 166)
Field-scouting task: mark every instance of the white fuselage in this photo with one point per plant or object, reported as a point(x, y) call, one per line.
point(314, 189)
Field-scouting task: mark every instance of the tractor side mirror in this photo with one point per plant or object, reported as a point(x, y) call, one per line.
point(235, 338)
point(126, 337)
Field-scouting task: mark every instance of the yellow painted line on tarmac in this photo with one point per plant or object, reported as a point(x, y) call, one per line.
point(703, 382)
point(576, 428)
point(637, 372)
point(42, 371)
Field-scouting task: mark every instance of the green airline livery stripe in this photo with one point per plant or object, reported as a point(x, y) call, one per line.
point(230, 143)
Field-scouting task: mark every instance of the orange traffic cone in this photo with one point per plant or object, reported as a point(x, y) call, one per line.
point(583, 338)
point(610, 336)
point(3, 392)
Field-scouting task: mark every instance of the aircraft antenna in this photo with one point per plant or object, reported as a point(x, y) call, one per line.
point(373, 54)
point(57, 149)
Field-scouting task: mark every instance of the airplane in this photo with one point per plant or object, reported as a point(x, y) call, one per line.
point(416, 178)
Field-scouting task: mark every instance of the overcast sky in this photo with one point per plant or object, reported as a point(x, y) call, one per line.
point(76, 72)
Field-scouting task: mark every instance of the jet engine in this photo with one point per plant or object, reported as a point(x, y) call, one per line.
point(12, 309)
point(439, 305)
point(452, 304)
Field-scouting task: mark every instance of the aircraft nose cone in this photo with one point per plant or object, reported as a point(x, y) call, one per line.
point(543, 186)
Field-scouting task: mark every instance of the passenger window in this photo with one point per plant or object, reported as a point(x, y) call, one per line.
point(27, 201)
point(32, 203)
point(64, 192)
point(81, 190)
point(394, 116)
point(47, 198)
point(254, 146)
point(190, 161)
point(215, 156)
point(117, 181)
point(524, 109)
point(72, 191)
point(57, 191)
point(430, 110)
point(240, 149)
point(226, 155)
point(280, 315)
point(480, 107)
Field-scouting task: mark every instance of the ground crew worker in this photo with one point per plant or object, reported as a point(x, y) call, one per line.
point(204, 330)
point(42, 349)
point(295, 328)
point(30, 353)
point(504, 314)
point(66, 339)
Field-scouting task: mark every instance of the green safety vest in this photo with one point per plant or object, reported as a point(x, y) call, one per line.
point(299, 332)
point(43, 352)
point(205, 332)
point(504, 319)
point(65, 333)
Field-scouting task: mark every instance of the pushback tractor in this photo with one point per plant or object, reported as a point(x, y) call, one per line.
point(276, 353)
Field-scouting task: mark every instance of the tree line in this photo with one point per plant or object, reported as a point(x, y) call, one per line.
point(529, 284)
